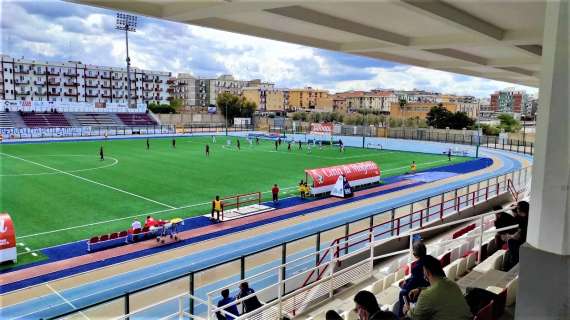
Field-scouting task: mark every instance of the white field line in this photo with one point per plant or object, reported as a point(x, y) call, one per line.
point(168, 210)
point(295, 152)
point(115, 162)
point(89, 180)
point(65, 300)
point(124, 218)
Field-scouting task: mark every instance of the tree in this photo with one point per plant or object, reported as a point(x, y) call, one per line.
point(438, 117)
point(236, 106)
point(177, 104)
point(508, 123)
point(460, 120)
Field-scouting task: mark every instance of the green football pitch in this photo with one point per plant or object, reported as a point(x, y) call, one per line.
point(62, 192)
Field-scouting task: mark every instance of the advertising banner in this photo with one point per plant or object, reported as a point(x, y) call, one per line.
point(7, 238)
point(321, 128)
point(357, 174)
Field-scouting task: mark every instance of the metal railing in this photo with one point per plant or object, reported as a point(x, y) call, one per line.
point(290, 304)
point(293, 271)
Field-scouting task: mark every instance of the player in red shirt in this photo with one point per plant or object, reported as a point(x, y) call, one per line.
point(150, 222)
point(275, 193)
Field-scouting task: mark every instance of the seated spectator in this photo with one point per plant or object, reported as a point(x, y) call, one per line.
point(332, 315)
point(443, 299)
point(367, 308)
point(249, 304)
point(502, 220)
point(226, 299)
point(136, 225)
point(416, 280)
point(150, 222)
point(515, 240)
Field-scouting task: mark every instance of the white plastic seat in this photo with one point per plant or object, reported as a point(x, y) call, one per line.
point(512, 288)
point(378, 286)
point(388, 280)
point(399, 275)
point(461, 267)
point(451, 271)
point(471, 261)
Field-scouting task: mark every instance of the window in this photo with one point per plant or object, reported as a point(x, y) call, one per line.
point(52, 90)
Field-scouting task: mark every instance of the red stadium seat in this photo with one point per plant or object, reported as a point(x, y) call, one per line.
point(94, 239)
point(445, 259)
point(104, 237)
point(114, 235)
point(123, 234)
point(499, 304)
point(137, 231)
point(486, 313)
point(145, 229)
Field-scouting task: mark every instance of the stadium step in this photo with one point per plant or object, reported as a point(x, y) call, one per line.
point(5, 121)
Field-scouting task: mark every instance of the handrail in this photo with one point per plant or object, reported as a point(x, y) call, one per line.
point(494, 187)
point(457, 203)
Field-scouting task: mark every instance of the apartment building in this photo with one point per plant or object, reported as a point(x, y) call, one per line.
point(509, 101)
point(417, 96)
point(377, 100)
point(184, 87)
point(310, 99)
point(468, 104)
point(74, 81)
point(417, 109)
point(267, 98)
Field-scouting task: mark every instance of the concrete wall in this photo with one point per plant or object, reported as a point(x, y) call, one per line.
point(181, 119)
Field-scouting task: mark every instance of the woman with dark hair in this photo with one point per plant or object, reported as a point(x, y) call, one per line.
point(416, 280)
point(367, 308)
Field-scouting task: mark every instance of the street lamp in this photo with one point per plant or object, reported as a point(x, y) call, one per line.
point(127, 22)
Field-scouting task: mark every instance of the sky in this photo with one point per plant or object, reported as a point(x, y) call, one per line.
point(61, 31)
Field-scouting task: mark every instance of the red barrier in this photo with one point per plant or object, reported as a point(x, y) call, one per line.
point(7, 239)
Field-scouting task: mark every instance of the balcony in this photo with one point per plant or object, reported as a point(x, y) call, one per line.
point(40, 93)
point(159, 81)
point(147, 98)
point(39, 83)
point(106, 76)
point(147, 80)
point(70, 74)
point(17, 81)
point(92, 95)
point(22, 93)
point(70, 84)
point(40, 72)
point(53, 73)
point(92, 76)
point(71, 94)
point(106, 86)
point(120, 87)
point(22, 70)
point(52, 94)
point(53, 83)
point(108, 96)
point(147, 89)
point(116, 77)
point(92, 85)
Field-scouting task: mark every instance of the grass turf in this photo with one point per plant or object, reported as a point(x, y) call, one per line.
point(55, 186)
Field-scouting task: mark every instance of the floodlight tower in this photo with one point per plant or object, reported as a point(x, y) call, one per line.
point(127, 23)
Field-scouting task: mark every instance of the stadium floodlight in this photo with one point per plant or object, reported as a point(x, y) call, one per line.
point(127, 23)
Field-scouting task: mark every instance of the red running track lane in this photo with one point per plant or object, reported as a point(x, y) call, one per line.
point(48, 268)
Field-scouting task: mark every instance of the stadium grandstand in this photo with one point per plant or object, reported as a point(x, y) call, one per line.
point(125, 229)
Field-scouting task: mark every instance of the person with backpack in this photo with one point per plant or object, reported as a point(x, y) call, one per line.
point(251, 303)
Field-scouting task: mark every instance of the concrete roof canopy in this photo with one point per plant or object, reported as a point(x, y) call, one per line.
point(494, 39)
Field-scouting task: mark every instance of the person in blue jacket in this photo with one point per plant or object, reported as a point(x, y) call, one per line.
point(416, 280)
point(226, 299)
